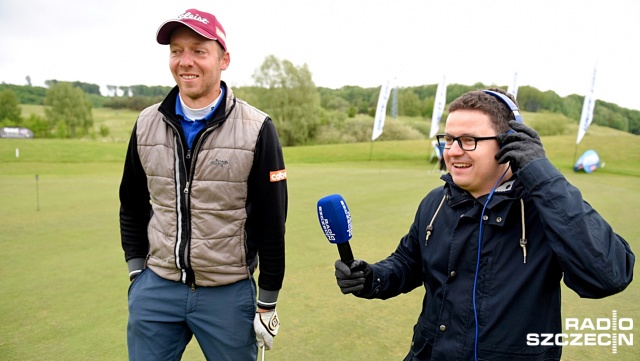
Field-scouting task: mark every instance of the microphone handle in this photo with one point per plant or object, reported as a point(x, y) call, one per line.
point(346, 255)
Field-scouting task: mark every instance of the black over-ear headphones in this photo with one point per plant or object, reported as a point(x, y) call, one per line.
point(505, 99)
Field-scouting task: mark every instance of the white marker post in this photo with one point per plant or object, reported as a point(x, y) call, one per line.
point(37, 195)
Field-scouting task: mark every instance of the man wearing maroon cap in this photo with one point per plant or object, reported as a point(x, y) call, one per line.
point(203, 202)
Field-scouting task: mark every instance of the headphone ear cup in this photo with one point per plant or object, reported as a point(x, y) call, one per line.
point(508, 132)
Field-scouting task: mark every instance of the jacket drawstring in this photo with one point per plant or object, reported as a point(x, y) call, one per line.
point(430, 226)
point(523, 240)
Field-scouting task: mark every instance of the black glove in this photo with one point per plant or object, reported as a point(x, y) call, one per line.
point(355, 278)
point(520, 147)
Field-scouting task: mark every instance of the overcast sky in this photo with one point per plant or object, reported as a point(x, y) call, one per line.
point(551, 44)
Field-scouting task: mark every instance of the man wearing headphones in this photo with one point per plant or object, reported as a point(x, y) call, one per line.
point(491, 245)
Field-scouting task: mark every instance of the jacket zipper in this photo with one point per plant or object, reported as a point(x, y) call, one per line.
point(188, 274)
point(196, 150)
point(182, 259)
point(186, 186)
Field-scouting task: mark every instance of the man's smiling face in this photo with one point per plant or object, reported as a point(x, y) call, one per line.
point(196, 64)
point(475, 171)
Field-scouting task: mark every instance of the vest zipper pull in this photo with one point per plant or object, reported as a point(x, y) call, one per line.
point(186, 188)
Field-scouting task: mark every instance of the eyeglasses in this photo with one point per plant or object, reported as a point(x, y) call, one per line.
point(466, 142)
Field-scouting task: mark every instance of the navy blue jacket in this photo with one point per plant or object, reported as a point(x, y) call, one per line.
point(565, 237)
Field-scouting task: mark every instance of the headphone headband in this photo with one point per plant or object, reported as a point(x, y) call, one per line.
point(506, 100)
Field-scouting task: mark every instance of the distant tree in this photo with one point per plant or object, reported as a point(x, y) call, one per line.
point(429, 103)
point(38, 125)
point(363, 99)
point(351, 112)
point(530, 99)
point(87, 87)
point(292, 99)
point(139, 103)
point(250, 94)
point(609, 116)
point(634, 120)
point(27, 94)
point(572, 106)
point(104, 131)
point(139, 90)
point(409, 104)
point(136, 103)
point(149, 91)
point(113, 90)
point(10, 111)
point(425, 91)
point(68, 111)
point(62, 130)
point(456, 90)
point(330, 100)
point(28, 79)
point(126, 90)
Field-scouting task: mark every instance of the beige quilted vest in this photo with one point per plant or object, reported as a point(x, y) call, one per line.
point(217, 197)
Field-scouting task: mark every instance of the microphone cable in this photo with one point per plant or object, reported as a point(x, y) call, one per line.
point(475, 279)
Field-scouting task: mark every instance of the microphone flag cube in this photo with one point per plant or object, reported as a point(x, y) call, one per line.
point(335, 218)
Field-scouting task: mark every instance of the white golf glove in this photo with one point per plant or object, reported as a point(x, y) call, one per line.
point(266, 324)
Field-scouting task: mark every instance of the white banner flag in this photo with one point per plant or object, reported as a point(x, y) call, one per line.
point(438, 107)
point(587, 109)
point(513, 87)
point(381, 109)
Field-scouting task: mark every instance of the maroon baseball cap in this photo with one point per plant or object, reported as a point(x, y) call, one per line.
point(201, 22)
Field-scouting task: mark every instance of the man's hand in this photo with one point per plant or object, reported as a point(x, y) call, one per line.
point(520, 147)
point(266, 324)
point(354, 278)
point(134, 274)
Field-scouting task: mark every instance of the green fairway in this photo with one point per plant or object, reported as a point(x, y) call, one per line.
point(63, 279)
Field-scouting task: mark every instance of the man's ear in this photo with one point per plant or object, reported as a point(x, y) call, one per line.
point(225, 61)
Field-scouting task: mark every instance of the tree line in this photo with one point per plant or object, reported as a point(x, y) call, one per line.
point(67, 111)
point(303, 113)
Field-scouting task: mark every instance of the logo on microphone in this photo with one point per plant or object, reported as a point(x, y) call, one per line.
point(348, 215)
point(326, 228)
point(335, 219)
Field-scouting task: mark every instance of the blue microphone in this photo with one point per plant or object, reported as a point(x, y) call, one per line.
point(335, 221)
